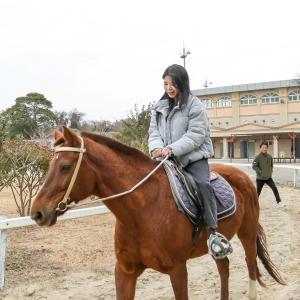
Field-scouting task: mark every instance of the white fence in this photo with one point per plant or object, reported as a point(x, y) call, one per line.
point(10, 223)
point(294, 168)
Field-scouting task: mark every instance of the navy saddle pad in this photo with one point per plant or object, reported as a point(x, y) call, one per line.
point(225, 197)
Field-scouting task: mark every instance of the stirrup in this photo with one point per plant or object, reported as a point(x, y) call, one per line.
point(218, 245)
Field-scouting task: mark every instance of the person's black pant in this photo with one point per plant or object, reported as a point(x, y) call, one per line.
point(200, 173)
point(260, 183)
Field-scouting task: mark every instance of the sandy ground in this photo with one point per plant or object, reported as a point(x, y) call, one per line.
point(75, 259)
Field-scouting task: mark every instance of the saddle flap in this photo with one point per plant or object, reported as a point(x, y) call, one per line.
point(183, 195)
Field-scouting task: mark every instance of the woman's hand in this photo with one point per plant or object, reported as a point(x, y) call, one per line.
point(161, 152)
point(156, 153)
point(166, 152)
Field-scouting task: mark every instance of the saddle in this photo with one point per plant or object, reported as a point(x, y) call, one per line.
point(183, 189)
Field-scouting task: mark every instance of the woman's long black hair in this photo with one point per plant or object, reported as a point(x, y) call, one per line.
point(180, 79)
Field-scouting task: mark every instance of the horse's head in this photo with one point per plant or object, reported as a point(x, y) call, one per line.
point(53, 196)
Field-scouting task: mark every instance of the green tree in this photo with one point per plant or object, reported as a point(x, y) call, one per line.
point(29, 116)
point(3, 125)
point(23, 167)
point(134, 131)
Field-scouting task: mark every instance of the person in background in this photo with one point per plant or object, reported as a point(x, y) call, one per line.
point(263, 166)
point(179, 127)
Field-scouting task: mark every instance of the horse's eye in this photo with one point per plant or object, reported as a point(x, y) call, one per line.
point(65, 168)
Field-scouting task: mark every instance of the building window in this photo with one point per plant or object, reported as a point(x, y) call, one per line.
point(294, 95)
point(270, 98)
point(208, 103)
point(269, 142)
point(248, 99)
point(224, 102)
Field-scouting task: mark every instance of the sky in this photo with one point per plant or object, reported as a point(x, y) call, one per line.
point(103, 57)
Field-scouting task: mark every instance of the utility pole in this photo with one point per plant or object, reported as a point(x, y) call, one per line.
point(184, 54)
point(206, 83)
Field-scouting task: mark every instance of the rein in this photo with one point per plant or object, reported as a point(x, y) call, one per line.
point(63, 205)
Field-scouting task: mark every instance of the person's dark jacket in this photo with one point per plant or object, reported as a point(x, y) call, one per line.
point(263, 166)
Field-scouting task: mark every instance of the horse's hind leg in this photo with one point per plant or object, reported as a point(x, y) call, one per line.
point(248, 240)
point(223, 268)
point(178, 276)
point(126, 281)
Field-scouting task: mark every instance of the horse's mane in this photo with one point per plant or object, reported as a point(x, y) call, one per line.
point(114, 145)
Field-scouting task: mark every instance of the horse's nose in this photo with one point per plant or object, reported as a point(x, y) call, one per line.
point(37, 216)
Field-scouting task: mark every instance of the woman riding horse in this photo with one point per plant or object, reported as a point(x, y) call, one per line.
point(179, 127)
point(149, 231)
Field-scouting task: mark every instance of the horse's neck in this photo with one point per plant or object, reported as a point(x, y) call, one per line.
point(116, 173)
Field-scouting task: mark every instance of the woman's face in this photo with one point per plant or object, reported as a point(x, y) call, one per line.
point(169, 87)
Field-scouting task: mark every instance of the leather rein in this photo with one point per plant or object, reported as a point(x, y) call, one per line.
point(63, 205)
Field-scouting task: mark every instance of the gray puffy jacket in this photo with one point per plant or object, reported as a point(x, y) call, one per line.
point(185, 131)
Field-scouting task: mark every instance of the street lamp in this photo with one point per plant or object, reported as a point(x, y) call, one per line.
point(184, 55)
point(206, 83)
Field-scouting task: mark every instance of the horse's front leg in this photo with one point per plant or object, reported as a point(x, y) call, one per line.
point(223, 268)
point(125, 279)
point(179, 280)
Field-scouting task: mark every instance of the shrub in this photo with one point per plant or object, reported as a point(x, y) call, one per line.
point(23, 167)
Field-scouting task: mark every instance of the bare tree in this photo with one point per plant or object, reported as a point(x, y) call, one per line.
point(23, 166)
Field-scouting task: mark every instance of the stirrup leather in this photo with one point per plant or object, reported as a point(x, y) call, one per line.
point(218, 246)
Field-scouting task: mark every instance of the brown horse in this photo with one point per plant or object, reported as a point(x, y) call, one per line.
point(149, 232)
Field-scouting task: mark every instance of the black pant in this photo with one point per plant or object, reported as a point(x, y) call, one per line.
point(200, 173)
point(260, 183)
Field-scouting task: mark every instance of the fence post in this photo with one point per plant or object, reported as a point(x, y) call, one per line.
point(295, 176)
point(3, 235)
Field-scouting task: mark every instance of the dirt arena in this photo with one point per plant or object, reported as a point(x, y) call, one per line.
point(75, 259)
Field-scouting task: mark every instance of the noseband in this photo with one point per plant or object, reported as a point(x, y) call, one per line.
point(63, 204)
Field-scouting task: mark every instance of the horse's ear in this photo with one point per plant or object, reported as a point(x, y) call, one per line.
point(71, 137)
point(58, 137)
point(57, 134)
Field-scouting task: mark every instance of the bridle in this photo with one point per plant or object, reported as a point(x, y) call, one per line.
point(63, 204)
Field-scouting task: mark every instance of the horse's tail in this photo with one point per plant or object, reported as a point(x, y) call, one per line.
point(264, 256)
